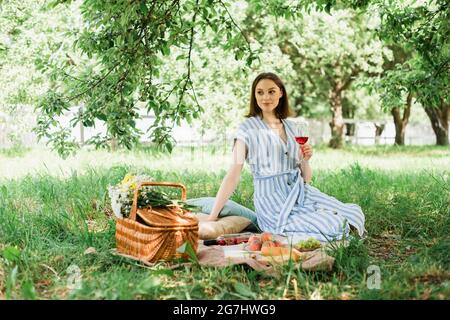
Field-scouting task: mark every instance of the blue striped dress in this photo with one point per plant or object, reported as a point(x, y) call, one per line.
point(284, 204)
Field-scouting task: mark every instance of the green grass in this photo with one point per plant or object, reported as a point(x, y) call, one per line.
point(14, 151)
point(52, 210)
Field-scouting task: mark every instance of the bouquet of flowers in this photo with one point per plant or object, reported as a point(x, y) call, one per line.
point(122, 195)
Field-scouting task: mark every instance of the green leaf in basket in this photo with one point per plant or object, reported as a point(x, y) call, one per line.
point(187, 247)
point(189, 207)
point(243, 290)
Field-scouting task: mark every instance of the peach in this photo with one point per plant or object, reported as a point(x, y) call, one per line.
point(273, 251)
point(266, 236)
point(253, 238)
point(254, 245)
point(277, 243)
point(268, 244)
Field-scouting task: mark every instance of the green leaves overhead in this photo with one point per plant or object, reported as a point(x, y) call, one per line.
point(420, 28)
point(120, 50)
point(126, 58)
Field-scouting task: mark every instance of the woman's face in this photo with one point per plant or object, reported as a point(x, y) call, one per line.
point(267, 95)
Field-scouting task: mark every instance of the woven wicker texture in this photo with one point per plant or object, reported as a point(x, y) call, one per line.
point(153, 234)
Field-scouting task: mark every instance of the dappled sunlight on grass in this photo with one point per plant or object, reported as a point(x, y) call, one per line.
point(39, 160)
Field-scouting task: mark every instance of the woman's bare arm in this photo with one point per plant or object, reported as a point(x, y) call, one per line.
point(307, 152)
point(306, 171)
point(230, 181)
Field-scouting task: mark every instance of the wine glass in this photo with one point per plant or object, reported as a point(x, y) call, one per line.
point(301, 135)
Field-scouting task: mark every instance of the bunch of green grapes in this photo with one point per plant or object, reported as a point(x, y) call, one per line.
point(309, 244)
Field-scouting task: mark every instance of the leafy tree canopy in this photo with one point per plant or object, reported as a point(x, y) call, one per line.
point(124, 57)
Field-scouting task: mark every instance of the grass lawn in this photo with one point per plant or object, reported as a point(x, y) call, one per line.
point(52, 210)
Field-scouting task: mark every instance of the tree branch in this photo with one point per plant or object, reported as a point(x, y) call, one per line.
point(191, 44)
point(95, 84)
point(407, 111)
point(350, 79)
point(236, 25)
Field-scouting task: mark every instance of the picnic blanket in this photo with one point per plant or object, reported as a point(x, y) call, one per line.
point(220, 256)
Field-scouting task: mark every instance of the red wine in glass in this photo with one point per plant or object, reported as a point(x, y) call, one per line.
point(301, 140)
point(301, 136)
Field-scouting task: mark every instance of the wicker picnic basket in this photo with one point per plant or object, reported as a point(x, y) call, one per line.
point(152, 234)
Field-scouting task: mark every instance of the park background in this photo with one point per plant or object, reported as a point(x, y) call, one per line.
point(92, 90)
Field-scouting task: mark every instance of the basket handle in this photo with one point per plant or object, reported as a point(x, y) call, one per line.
point(167, 184)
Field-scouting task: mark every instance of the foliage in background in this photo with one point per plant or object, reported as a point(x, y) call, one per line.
point(152, 57)
point(328, 53)
point(124, 44)
point(127, 44)
point(420, 29)
point(29, 34)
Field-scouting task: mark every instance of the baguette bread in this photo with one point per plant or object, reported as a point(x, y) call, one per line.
point(283, 252)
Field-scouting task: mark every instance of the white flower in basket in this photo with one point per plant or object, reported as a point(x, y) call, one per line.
point(121, 195)
point(115, 195)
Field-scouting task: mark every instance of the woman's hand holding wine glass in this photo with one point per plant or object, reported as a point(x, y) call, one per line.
point(307, 151)
point(301, 137)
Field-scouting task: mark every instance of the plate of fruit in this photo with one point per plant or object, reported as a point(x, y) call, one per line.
point(265, 245)
point(309, 244)
point(265, 240)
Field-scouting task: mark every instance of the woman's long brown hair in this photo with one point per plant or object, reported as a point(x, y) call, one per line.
point(282, 111)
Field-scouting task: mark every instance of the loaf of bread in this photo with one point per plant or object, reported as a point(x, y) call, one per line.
point(284, 252)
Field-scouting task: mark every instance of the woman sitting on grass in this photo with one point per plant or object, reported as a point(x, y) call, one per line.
point(285, 202)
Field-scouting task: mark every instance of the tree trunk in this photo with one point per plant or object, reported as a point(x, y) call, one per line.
point(350, 129)
point(348, 112)
point(80, 112)
point(335, 96)
point(439, 122)
point(379, 128)
point(113, 144)
point(401, 121)
point(81, 133)
point(337, 122)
